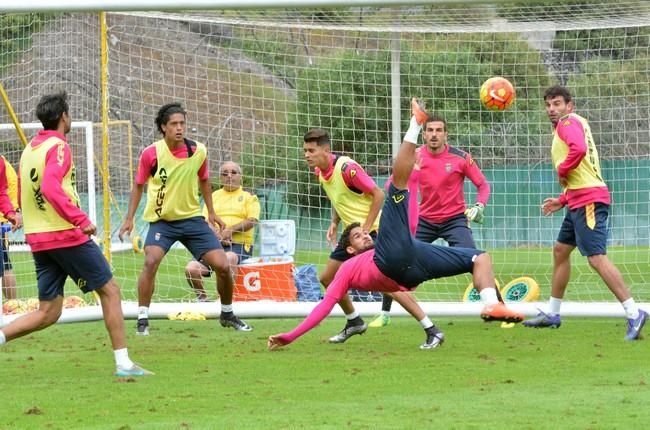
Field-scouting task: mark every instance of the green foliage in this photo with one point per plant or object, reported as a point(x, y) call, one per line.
point(15, 32)
point(348, 92)
point(350, 96)
point(614, 96)
point(614, 43)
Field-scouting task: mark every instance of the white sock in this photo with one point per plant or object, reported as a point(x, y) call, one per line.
point(226, 308)
point(489, 296)
point(122, 358)
point(352, 315)
point(554, 306)
point(413, 131)
point(3, 339)
point(385, 313)
point(143, 312)
point(631, 309)
point(426, 323)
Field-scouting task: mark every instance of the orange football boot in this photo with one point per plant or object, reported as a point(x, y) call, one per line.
point(499, 312)
point(418, 111)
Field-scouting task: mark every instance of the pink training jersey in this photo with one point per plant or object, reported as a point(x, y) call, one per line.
point(148, 160)
point(359, 272)
point(570, 130)
point(53, 192)
point(354, 176)
point(441, 183)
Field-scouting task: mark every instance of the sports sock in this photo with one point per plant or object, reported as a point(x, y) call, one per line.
point(122, 358)
point(143, 312)
point(554, 306)
point(489, 296)
point(226, 308)
point(426, 323)
point(631, 309)
point(352, 315)
point(413, 131)
point(3, 339)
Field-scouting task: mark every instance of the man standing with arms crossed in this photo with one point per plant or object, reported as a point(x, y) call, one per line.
point(58, 233)
point(175, 170)
point(442, 211)
point(575, 159)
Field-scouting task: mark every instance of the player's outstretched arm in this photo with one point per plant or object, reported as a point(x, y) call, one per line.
point(276, 341)
point(318, 314)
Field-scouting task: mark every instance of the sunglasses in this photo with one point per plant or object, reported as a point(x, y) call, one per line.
point(231, 172)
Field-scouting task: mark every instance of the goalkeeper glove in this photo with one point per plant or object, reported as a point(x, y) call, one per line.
point(475, 213)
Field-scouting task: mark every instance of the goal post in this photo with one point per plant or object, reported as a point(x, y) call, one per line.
point(253, 81)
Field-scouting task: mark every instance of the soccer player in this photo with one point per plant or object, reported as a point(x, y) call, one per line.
point(575, 158)
point(240, 211)
point(58, 232)
point(442, 211)
point(355, 198)
point(175, 169)
point(395, 261)
point(8, 278)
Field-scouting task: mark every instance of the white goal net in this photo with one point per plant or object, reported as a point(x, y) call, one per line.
point(253, 82)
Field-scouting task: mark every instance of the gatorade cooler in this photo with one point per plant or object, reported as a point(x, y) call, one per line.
point(269, 276)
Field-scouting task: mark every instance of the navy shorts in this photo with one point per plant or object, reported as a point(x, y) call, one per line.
point(242, 251)
point(408, 261)
point(84, 263)
point(340, 254)
point(194, 233)
point(455, 231)
point(586, 228)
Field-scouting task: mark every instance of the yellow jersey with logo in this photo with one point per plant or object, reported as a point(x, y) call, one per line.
point(12, 185)
point(587, 174)
point(234, 207)
point(351, 206)
point(38, 214)
point(173, 190)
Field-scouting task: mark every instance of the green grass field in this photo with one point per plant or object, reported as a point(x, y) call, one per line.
point(582, 376)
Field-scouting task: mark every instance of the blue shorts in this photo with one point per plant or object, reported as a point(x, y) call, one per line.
point(408, 261)
point(84, 263)
point(586, 228)
point(194, 233)
point(242, 251)
point(340, 254)
point(455, 231)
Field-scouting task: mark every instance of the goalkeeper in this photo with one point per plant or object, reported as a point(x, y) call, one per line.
point(442, 211)
point(396, 261)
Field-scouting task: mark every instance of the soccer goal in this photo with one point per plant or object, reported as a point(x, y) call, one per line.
point(253, 80)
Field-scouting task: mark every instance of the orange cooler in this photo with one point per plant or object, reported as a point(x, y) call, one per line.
point(265, 278)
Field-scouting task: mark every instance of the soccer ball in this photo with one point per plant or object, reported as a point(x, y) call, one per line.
point(497, 93)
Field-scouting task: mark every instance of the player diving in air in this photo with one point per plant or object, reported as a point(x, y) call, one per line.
point(398, 262)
